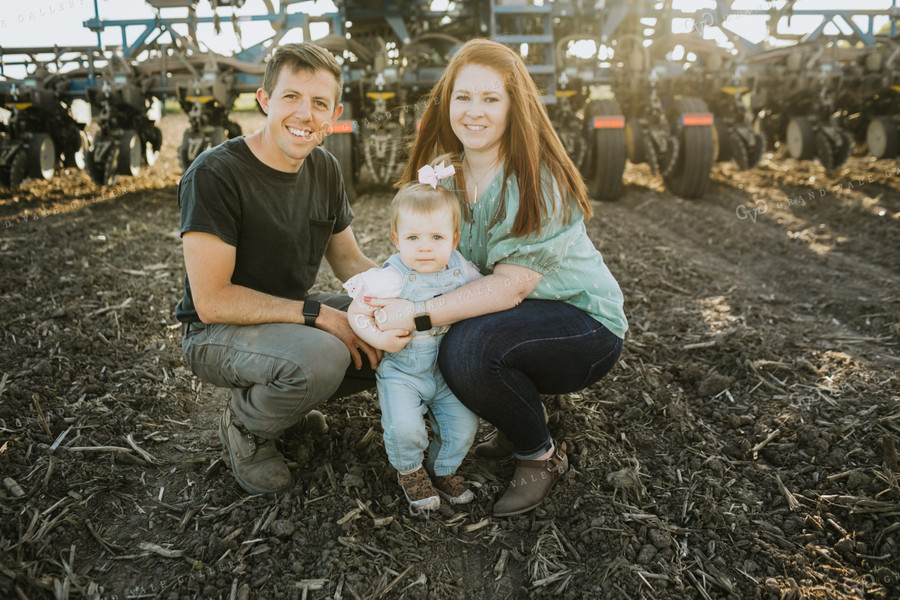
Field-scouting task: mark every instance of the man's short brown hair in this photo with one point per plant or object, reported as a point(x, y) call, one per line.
point(305, 56)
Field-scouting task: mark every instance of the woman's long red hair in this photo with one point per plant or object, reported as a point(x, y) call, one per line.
point(529, 142)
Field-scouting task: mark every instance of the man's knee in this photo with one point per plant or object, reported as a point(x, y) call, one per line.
point(319, 373)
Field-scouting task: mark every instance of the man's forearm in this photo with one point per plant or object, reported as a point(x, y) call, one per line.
point(239, 305)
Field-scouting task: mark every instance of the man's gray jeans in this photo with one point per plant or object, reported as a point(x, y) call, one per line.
point(277, 372)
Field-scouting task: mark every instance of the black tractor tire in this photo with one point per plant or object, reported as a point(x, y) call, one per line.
point(825, 150)
point(4, 173)
point(131, 153)
point(634, 141)
point(152, 146)
point(347, 114)
point(14, 173)
point(74, 158)
point(833, 146)
point(150, 155)
point(671, 157)
point(184, 160)
point(571, 134)
point(341, 146)
point(588, 165)
point(90, 164)
point(842, 155)
point(41, 156)
point(103, 168)
point(607, 153)
point(110, 166)
point(650, 155)
point(185, 157)
point(233, 130)
point(883, 137)
point(690, 174)
point(737, 146)
point(722, 141)
point(217, 136)
point(760, 127)
point(758, 148)
point(800, 138)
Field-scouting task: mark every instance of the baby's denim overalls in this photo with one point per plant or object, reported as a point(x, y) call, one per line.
point(410, 385)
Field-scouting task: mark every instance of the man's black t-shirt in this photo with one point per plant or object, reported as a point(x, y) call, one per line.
point(280, 223)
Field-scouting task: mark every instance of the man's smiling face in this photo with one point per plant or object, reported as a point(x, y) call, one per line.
point(302, 106)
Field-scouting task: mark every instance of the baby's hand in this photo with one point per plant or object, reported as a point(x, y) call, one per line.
point(394, 340)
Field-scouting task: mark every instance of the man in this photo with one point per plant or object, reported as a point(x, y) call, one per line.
point(258, 214)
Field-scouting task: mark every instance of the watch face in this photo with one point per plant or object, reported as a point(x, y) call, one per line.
point(311, 310)
point(423, 322)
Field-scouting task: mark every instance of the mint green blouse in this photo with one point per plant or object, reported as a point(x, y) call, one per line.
point(572, 269)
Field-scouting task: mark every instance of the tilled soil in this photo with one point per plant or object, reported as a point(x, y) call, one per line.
point(744, 447)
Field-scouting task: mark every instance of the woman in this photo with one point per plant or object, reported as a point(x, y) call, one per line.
point(548, 317)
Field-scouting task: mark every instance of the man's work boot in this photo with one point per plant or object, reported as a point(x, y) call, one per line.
point(532, 482)
point(258, 467)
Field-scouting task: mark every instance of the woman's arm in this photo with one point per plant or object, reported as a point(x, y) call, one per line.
point(505, 288)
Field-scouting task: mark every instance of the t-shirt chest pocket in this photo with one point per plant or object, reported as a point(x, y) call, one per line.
point(320, 231)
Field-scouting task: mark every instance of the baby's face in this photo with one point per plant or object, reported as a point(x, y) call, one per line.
point(425, 241)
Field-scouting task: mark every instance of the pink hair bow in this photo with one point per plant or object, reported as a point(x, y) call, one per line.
point(431, 175)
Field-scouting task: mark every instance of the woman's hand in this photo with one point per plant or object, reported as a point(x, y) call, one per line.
point(393, 313)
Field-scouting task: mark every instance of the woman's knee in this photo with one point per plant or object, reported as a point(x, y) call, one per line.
point(467, 358)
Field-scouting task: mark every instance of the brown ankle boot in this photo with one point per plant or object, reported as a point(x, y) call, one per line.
point(495, 448)
point(531, 483)
point(499, 446)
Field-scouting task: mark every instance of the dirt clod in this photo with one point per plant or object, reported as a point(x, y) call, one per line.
point(646, 554)
point(283, 529)
point(713, 384)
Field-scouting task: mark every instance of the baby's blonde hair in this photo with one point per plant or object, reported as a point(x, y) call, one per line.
point(422, 199)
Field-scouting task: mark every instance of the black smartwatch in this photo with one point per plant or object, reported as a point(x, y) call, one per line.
point(422, 319)
point(311, 312)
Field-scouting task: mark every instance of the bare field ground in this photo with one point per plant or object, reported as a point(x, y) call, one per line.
point(744, 447)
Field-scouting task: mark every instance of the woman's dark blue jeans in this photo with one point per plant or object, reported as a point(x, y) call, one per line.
point(499, 364)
